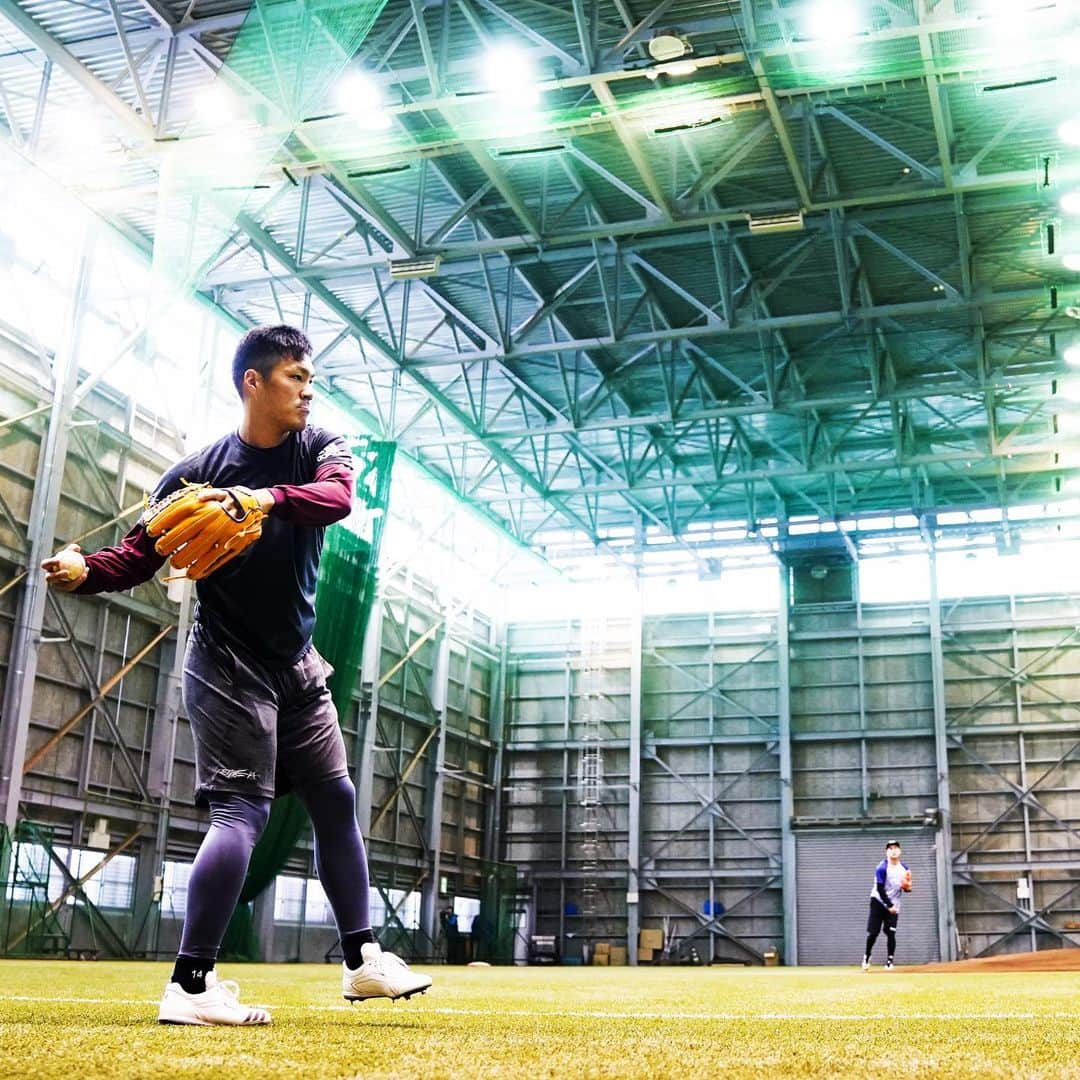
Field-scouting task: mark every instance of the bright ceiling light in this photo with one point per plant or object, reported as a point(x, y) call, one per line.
point(1072, 356)
point(360, 97)
point(833, 20)
point(509, 74)
point(1069, 132)
point(1071, 261)
point(678, 67)
point(1068, 48)
point(1070, 202)
point(216, 104)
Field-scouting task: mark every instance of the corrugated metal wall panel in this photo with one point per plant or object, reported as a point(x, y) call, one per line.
point(835, 875)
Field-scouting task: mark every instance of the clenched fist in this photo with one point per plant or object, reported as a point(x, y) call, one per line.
point(67, 569)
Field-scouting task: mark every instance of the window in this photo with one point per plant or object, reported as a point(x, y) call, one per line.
point(32, 870)
point(317, 908)
point(408, 909)
point(288, 899)
point(466, 908)
point(113, 886)
point(299, 899)
point(174, 886)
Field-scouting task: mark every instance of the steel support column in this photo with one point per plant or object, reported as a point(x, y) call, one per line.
point(633, 844)
point(787, 791)
point(263, 919)
point(433, 802)
point(369, 716)
point(946, 895)
point(26, 634)
point(496, 732)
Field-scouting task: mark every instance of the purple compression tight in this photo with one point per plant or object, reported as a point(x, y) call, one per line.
point(236, 822)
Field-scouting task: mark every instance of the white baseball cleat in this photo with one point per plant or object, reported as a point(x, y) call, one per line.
point(381, 975)
point(866, 963)
point(219, 1004)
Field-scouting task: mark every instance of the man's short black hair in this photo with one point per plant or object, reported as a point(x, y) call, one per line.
point(263, 347)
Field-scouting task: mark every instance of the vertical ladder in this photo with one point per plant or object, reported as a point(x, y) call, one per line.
point(591, 767)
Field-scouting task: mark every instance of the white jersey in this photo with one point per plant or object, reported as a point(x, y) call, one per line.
point(890, 875)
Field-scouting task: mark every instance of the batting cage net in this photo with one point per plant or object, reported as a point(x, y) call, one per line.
point(343, 600)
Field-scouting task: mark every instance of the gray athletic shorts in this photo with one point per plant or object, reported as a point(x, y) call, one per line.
point(259, 729)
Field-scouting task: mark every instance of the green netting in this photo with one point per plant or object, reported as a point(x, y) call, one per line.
point(285, 58)
point(494, 929)
point(343, 600)
point(28, 924)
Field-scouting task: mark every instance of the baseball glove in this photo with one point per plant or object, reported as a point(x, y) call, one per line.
point(905, 881)
point(198, 536)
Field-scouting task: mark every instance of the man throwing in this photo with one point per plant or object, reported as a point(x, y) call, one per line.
point(254, 687)
point(891, 878)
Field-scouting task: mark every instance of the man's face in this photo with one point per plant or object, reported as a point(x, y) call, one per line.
point(284, 396)
point(893, 853)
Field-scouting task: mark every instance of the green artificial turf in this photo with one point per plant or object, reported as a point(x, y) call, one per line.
point(548, 1022)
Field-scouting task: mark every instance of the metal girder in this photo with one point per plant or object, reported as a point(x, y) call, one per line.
point(764, 324)
point(696, 229)
point(713, 688)
point(1027, 918)
point(26, 634)
point(650, 857)
point(714, 808)
point(652, 476)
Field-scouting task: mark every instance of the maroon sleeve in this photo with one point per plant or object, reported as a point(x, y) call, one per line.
point(130, 563)
point(328, 498)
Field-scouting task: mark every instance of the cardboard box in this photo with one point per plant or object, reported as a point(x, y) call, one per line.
point(601, 947)
point(600, 959)
point(651, 939)
point(645, 956)
point(617, 957)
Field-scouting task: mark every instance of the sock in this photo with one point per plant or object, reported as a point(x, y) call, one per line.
point(190, 972)
point(353, 943)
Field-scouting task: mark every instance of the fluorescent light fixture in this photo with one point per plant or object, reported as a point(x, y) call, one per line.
point(509, 73)
point(687, 115)
point(1070, 202)
point(360, 97)
point(787, 221)
point(419, 267)
point(1071, 261)
point(678, 67)
point(833, 20)
point(527, 151)
point(1069, 132)
point(690, 125)
point(1071, 356)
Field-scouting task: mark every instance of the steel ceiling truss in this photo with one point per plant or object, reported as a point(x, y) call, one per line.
point(605, 345)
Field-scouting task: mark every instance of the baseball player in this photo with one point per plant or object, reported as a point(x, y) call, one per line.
point(891, 878)
point(254, 687)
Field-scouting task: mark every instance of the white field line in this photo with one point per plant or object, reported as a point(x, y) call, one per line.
point(593, 1015)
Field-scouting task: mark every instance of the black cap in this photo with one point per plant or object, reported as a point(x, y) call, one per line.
point(892, 843)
